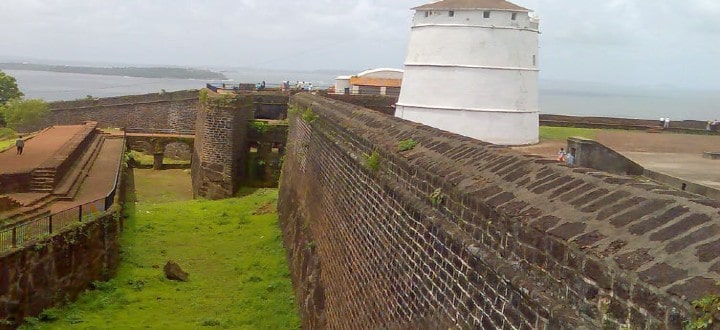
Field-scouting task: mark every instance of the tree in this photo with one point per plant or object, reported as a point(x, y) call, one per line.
point(23, 113)
point(8, 88)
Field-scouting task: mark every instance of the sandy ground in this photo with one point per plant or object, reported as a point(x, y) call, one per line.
point(678, 155)
point(636, 141)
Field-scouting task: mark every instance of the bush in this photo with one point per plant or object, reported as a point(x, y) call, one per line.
point(372, 161)
point(18, 113)
point(49, 315)
point(7, 133)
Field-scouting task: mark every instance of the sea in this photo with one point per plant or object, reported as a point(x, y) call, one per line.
point(556, 97)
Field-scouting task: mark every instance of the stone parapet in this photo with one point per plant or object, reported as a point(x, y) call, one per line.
point(173, 111)
point(57, 269)
point(455, 232)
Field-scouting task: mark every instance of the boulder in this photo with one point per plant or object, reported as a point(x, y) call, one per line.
point(174, 272)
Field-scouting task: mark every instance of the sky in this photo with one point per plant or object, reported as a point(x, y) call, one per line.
point(667, 43)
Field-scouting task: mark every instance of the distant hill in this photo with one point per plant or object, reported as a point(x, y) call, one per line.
point(141, 72)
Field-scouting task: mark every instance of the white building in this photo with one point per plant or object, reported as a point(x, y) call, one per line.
point(472, 69)
point(374, 82)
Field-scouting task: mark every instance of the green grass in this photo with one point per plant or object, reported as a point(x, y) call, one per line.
point(231, 248)
point(4, 144)
point(563, 133)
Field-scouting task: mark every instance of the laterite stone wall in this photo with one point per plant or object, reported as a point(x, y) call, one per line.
point(456, 232)
point(173, 112)
point(59, 268)
point(220, 144)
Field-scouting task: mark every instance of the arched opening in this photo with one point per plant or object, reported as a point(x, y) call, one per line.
point(176, 154)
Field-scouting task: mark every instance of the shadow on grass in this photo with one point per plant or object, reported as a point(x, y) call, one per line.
point(129, 209)
point(245, 191)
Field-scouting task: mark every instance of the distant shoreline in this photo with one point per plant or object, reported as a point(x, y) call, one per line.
point(139, 72)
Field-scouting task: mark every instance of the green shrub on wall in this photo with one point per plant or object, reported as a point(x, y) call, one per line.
point(217, 100)
point(259, 126)
point(372, 161)
point(406, 145)
point(708, 310)
point(309, 116)
point(203, 96)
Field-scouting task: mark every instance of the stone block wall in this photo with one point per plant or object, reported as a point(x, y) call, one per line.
point(380, 103)
point(270, 105)
point(173, 111)
point(46, 273)
point(459, 233)
point(622, 123)
point(220, 144)
point(591, 154)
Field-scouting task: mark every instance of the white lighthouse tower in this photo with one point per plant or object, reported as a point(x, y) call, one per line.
point(472, 69)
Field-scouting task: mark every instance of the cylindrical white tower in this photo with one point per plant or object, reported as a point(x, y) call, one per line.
point(472, 69)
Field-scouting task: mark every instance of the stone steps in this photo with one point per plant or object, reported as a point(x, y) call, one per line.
point(43, 180)
point(71, 183)
point(27, 209)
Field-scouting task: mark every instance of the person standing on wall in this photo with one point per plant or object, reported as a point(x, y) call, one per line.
point(19, 144)
point(561, 155)
point(570, 159)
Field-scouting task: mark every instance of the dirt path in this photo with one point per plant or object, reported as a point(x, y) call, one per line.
point(37, 150)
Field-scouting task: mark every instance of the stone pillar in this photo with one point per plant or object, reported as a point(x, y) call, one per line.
point(158, 160)
point(220, 141)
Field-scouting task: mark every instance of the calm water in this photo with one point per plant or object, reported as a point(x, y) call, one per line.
point(566, 98)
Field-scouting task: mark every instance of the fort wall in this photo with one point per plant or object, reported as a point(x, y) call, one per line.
point(172, 112)
point(591, 154)
point(220, 144)
point(51, 271)
point(685, 126)
point(228, 127)
point(455, 232)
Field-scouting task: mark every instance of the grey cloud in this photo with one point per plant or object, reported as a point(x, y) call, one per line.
point(633, 41)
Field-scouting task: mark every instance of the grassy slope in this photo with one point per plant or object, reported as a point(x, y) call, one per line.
point(235, 258)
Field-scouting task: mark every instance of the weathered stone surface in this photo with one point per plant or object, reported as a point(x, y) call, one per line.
point(696, 288)
point(633, 260)
point(709, 252)
point(662, 274)
point(173, 112)
point(511, 243)
point(39, 275)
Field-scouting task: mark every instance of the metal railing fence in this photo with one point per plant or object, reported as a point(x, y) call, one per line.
point(19, 234)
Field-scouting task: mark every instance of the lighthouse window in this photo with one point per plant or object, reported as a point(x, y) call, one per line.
point(451, 13)
point(534, 60)
point(427, 14)
point(514, 16)
point(486, 14)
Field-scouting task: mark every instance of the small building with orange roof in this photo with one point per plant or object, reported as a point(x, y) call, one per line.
point(381, 81)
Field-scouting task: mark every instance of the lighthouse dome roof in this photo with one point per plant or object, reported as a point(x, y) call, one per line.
point(472, 5)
